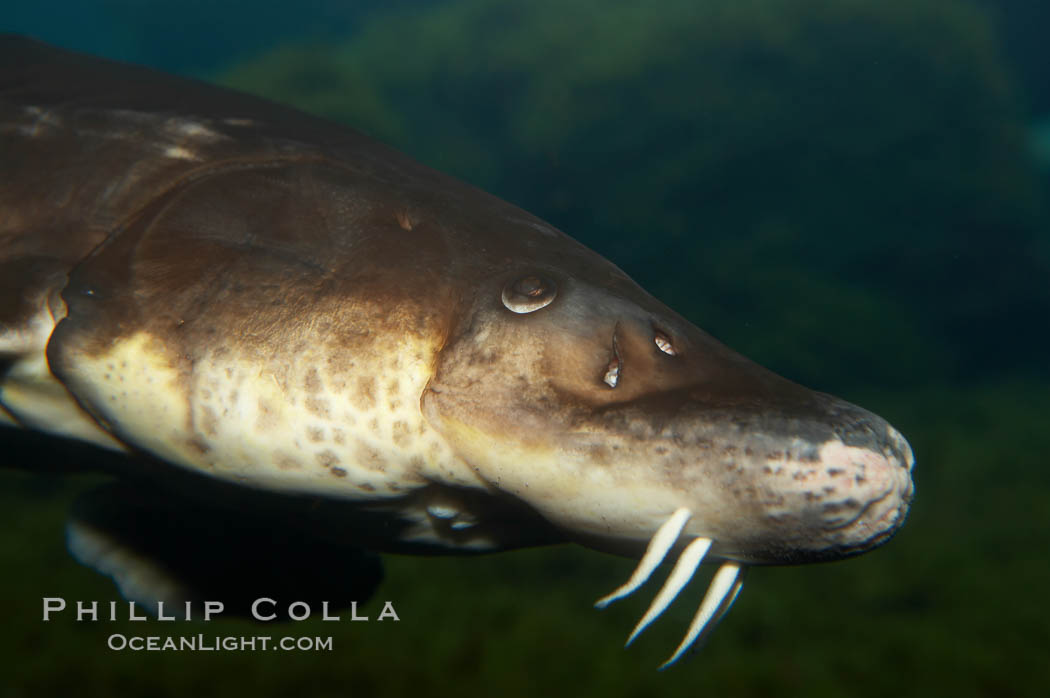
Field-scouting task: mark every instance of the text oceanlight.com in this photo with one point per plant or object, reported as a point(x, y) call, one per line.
point(202, 643)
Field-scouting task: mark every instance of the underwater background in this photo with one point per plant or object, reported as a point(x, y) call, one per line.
point(853, 193)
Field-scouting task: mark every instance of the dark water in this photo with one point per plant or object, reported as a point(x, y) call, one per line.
point(855, 194)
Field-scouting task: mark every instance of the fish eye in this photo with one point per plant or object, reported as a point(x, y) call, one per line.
point(529, 294)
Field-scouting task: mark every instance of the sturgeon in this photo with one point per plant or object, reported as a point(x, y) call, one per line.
point(225, 286)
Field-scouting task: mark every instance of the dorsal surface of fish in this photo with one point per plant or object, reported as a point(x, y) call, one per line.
point(235, 288)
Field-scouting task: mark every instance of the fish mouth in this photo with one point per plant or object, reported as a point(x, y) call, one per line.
point(873, 524)
point(813, 528)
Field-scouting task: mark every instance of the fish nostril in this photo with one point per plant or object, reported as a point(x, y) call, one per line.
point(663, 343)
point(612, 372)
point(612, 369)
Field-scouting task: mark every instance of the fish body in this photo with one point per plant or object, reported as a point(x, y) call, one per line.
point(235, 289)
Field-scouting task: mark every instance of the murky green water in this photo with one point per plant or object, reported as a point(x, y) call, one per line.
point(854, 194)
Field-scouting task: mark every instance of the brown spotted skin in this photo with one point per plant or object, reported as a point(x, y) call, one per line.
point(274, 300)
point(197, 224)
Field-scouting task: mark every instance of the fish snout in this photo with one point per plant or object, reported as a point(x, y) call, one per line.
point(839, 497)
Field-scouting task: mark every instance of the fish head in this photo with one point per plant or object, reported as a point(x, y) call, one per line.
point(582, 395)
